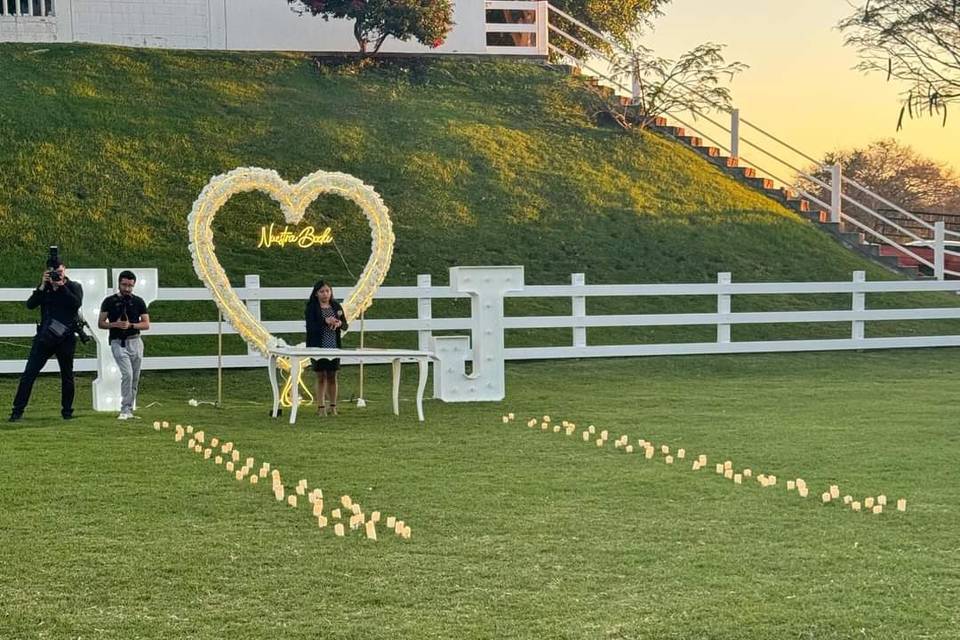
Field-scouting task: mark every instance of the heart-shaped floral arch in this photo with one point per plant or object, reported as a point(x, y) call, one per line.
point(294, 200)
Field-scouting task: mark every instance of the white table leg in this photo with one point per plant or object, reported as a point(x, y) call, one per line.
point(272, 372)
point(294, 387)
point(421, 386)
point(396, 386)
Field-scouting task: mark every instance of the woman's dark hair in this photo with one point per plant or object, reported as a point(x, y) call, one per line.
point(316, 287)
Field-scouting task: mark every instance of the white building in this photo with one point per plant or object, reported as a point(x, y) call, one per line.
point(481, 27)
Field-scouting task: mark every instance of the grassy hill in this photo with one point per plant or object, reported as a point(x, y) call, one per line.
point(104, 150)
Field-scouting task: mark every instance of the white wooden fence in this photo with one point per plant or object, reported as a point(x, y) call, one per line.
point(857, 314)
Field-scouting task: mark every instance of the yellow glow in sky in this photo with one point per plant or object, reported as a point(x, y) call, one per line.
point(801, 84)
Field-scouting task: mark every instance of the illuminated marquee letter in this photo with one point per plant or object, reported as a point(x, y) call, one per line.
point(486, 287)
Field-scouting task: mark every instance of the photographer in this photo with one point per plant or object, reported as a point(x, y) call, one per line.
point(125, 315)
point(59, 299)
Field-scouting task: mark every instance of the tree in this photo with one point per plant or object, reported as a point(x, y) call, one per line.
point(896, 172)
point(915, 41)
point(620, 19)
point(427, 21)
point(693, 83)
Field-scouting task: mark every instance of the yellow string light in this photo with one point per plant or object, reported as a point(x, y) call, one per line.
point(286, 393)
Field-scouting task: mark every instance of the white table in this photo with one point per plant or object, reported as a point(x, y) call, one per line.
point(394, 356)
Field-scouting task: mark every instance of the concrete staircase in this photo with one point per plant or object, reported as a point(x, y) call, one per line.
point(851, 238)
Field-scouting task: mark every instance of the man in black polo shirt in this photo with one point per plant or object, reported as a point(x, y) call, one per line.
point(125, 315)
point(59, 299)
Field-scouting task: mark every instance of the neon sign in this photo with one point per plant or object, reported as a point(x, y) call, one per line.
point(303, 239)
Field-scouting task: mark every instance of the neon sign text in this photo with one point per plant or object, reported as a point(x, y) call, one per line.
point(303, 239)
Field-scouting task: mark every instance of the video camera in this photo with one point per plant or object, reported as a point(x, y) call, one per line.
point(53, 263)
point(80, 329)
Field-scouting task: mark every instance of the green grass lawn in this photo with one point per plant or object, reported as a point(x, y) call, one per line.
point(111, 530)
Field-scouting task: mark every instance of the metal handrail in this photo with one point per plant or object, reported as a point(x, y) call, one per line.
point(587, 66)
point(886, 240)
point(873, 213)
point(580, 43)
point(617, 67)
point(895, 207)
point(800, 172)
point(587, 28)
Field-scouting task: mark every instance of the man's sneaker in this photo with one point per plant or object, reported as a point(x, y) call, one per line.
point(15, 417)
point(67, 416)
point(124, 416)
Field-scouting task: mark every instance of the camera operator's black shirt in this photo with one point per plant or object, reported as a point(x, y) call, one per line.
point(61, 304)
point(120, 307)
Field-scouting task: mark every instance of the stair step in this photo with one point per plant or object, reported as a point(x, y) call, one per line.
point(693, 141)
point(761, 183)
point(891, 261)
point(710, 152)
point(744, 172)
point(852, 237)
point(670, 130)
point(778, 193)
point(655, 122)
point(727, 162)
point(566, 69)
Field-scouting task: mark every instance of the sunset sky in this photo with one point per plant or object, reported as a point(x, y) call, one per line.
point(801, 84)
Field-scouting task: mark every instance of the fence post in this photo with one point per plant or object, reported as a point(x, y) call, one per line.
point(543, 28)
point(424, 312)
point(723, 306)
point(939, 239)
point(735, 133)
point(836, 192)
point(859, 304)
point(579, 310)
point(252, 304)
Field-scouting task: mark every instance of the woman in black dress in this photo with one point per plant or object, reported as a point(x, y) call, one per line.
point(325, 323)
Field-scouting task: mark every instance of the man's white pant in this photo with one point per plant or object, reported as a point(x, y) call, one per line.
point(128, 360)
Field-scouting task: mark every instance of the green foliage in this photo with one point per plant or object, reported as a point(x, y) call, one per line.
point(428, 21)
point(695, 82)
point(619, 18)
point(916, 43)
